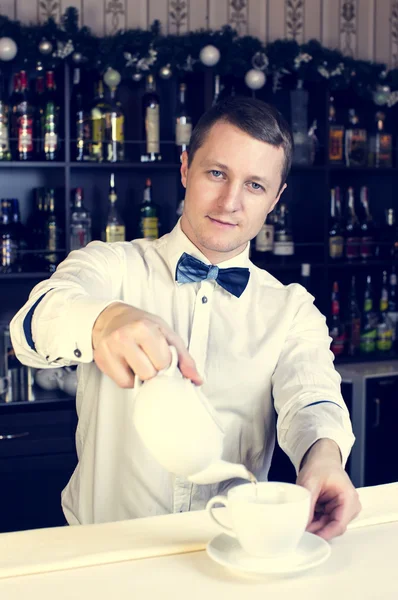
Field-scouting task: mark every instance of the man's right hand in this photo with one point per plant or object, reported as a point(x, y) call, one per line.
point(129, 341)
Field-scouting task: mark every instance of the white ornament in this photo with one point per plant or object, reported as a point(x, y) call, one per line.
point(381, 95)
point(8, 49)
point(45, 47)
point(165, 72)
point(137, 76)
point(112, 78)
point(209, 55)
point(64, 49)
point(260, 61)
point(77, 58)
point(255, 79)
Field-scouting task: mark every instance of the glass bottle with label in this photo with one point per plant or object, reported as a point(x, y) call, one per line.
point(183, 123)
point(15, 100)
point(115, 229)
point(337, 331)
point(388, 247)
point(305, 276)
point(265, 238)
point(380, 144)
point(5, 151)
point(352, 229)
point(356, 142)
point(283, 240)
point(97, 110)
point(8, 242)
point(149, 220)
point(151, 112)
point(25, 121)
point(353, 322)
point(393, 305)
point(51, 232)
point(114, 130)
point(336, 239)
point(336, 136)
point(39, 107)
point(80, 222)
point(368, 321)
point(367, 226)
point(50, 123)
point(80, 121)
point(385, 328)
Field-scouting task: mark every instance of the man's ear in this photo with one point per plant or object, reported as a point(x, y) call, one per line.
point(278, 197)
point(184, 168)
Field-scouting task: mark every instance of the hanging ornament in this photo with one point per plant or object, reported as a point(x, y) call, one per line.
point(255, 79)
point(112, 78)
point(64, 49)
point(381, 95)
point(45, 47)
point(165, 72)
point(130, 59)
point(209, 55)
point(39, 65)
point(77, 58)
point(8, 49)
point(260, 61)
point(136, 77)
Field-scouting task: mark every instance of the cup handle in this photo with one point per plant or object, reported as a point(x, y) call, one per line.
point(170, 370)
point(209, 508)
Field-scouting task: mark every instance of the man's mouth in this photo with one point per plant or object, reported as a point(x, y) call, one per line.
point(221, 222)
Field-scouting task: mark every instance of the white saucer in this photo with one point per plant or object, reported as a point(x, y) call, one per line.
point(311, 552)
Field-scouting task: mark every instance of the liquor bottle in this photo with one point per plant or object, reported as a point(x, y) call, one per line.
point(183, 123)
point(81, 123)
point(337, 332)
point(51, 232)
point(5, 152)
point(8, 243)
point(356, 150)
point(336, 239)
point(353, 326)
point(19, 230)
point(80, 222)
point(352, 229)
point(15, 100)
point(97, 125)
point(151, 112)
point(39, 107)
point(385, 328)
point(366, 249)
point(393, 305)
point(380, 144)
point(148, 220)
point(25, 121)
point(217, 90)
point(115, 229)
point(336, 136)
point(50, 120)
point(388, 247)
point(283, 240)
point(113, 130)
point(368, 321)
point(265, 238)
point(305, 277)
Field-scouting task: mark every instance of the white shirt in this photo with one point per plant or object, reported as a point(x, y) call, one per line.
point(269, 348)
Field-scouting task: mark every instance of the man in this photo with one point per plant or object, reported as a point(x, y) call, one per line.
point(114, 309)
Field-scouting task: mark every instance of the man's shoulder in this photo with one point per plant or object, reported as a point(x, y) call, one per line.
point(270, 285)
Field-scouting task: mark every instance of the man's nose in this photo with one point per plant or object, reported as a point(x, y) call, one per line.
point(230, 198)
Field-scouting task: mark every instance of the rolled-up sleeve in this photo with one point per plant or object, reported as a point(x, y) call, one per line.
point(306, 386)
point(57, 332)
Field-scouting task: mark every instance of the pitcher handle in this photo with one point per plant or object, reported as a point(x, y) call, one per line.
point(171, 370)
point(210, 508)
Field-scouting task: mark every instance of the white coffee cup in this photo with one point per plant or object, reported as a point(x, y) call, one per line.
point(268, 519)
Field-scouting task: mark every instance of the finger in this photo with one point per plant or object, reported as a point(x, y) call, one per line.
point(318, 524)
point(186, 363)
point(114, 366)
point(139, 362)
point(336, 523)
point(154, 345)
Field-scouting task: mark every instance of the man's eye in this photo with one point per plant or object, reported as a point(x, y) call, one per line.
point(256, 186)
point(216, 173)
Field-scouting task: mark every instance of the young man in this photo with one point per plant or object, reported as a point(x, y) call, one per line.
point(255, 344)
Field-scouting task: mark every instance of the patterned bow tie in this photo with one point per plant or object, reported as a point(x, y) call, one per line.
point(233, 279)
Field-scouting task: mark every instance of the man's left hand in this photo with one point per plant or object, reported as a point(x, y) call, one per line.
point(334, 500)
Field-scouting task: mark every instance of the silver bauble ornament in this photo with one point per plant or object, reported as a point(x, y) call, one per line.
point(209, 55)
point(112, 78)
point(255, 79)
point(45, 47)
point(165, 72)
point(137, 77)
point(381, 95)
point(260, 61)
point(77, 57)
point(8, 49)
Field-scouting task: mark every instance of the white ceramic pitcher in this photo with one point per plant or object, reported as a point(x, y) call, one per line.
point(181, 429)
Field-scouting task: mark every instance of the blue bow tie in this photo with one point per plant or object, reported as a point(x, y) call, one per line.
point(233, 279)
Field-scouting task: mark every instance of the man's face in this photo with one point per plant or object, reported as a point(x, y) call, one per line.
point(232, 184)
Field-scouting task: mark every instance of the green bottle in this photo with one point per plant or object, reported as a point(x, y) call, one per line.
point(385, 328)
point(369, 321)
point(149, 221)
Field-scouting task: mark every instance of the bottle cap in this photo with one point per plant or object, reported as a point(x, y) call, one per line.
point(305, 270)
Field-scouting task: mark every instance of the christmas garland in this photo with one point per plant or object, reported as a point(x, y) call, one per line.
point(135, 52)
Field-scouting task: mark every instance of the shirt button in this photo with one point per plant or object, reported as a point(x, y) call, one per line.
point(77, 353)
point(204, 299)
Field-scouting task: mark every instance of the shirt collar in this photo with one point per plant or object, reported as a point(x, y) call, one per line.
point(178, 242)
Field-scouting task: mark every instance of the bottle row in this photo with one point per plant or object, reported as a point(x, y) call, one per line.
point(39, 245)
point(365, 328)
